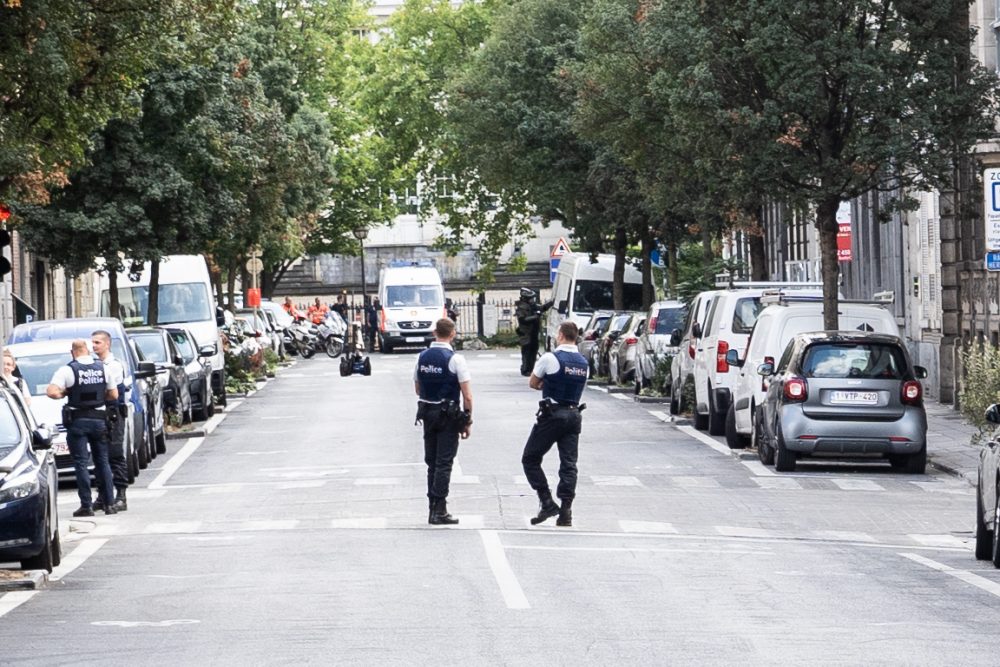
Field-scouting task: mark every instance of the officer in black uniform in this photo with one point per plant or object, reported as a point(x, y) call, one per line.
point(116, 413)
point(441, 377)
point(84, 384)
point(529, 321)
point(562, 377)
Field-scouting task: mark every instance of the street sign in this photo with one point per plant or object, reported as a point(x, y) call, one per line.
point(553, 265)
point(993, 261)
point(254, 265)
point(991, 206)
point(560, 248)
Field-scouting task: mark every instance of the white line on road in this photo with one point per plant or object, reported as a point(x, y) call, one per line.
point(596, 388)
point(646, 527)
point(783, 483)
point(15, 599)
point(664, 550)
point(621, 397)
point(759, 469)
point(378, 522)
point(289, 417)
point(173, 527)
point(189, 448)
point(506, 580)
point(939, 540)
point(378, 481)
point(857, 485)
point(968, 577)
point(77, 558)
point(662, 416)
point(708, 440)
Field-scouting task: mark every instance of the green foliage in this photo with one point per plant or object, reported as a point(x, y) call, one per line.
point(980, 387)
point(659, 384)
point(240, 377)
point(502, 339)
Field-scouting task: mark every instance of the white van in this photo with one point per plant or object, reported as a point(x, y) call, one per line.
point(781, 319)
point(185, 297)
point(412, 302)
point(582, 287)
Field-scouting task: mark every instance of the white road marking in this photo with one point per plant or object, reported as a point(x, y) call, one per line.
point(359, 465)
point(222, 488)
point(686, 482)
point(509, 587)
point(759, 469)
point(858, 485)
point(173, 527)
point(290, 417)
point(272, 524)
point(646, 527)
point(843, 535)
point(307, 484)
point(665, 550)
point(741, 531)
point(596, 388)
point(485, 356)
point(706, 439)
point(662, 416)
point(378, 481)
point(106, 530)
point(615, 480)
point(14, 599)
point(146, 624)
point(217, 419)
point(938, 540)
point(469, 521)
point(968, 577)
point(458, 477)
point(962, 489)
point(521, 480)
point(178, 459)
point(622, 397)
point(271, 453)
point(776, 483)
point(359, 523)
point(515, 356)
point(76, 558)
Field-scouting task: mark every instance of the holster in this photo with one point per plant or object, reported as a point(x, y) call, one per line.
point(67, 415)
point(111, 412)
point(453, 416)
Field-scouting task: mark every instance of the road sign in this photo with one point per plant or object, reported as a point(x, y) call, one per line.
point(254, 265)
point(553, 265)
point(991, 201)
point(993, 261)
point(560, 248)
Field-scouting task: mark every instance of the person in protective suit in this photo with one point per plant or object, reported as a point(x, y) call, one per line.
point(529, 320)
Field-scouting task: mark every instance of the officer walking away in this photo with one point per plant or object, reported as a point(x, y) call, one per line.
point(117, 413)
point(372, 311)
point(441, 377)
point(529, 317)
point(84, 384)
point(562, 377)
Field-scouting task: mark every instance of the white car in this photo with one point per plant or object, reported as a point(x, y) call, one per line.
point(782, 318)
point(654, 341)
point(685, 340)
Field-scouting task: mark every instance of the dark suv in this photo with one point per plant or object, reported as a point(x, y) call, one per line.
point(844, 393)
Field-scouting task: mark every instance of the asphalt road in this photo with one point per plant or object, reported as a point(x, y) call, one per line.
point(296, 533)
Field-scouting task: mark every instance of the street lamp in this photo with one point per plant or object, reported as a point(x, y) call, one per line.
point(361, 233)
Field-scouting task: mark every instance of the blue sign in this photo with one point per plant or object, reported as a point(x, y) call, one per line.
point(553, 265)
point(993, 261)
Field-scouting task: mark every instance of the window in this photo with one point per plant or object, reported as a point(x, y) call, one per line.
point(10, 432)
point(152, 347)
point(786, 357)
point(184, 346)
point(854, 360)
point(745, 314)
point(591, 295)
point(180, 302)
point(37, 370)
point(711, 323)
point(668, 319)
point(426, 296)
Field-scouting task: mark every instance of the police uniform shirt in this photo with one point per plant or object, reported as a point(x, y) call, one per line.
point(547, 364)
point(114, 372)
point(64, 378)
point(456, 365)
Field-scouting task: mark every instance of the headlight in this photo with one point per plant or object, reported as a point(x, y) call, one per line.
point(19, 487)
point(389, 324)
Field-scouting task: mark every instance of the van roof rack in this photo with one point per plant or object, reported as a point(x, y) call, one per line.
point(400, 263)
point(721, 280)
point(783, 299)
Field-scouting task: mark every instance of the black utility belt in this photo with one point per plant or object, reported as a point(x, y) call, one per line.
point(86, 413)
point(546, 406)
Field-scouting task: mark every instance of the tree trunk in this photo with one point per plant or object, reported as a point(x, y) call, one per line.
point(758, 248)
point(826, 225)
point(648, 294)
point(231, 286)
point(153, 298)
point(114, 307)
point(708, 254)
point(672, 256)
point(618, 276)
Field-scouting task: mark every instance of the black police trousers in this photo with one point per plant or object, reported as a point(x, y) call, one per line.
point(116, 452)
point(529, 354)
point(440, 448)
point(561, 426)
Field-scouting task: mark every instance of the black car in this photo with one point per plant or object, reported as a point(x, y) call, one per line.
point(29, 520)
point(158, 346)
point(199, 370)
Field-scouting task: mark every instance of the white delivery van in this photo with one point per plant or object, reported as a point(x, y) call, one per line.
point(412, 302)
point(782, 318)
point(185, 297)
point(582, 287)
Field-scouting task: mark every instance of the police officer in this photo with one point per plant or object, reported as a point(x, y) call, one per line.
point(116, 413)
point(562, 376)
point(440, 378)
point(529, 316)
point(85, 386)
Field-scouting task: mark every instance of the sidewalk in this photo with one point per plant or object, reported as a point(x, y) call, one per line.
point(948, 438)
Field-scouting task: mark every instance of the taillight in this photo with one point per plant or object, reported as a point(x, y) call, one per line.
point(652, 325)
point(591, 336)
point(795, 390)
point(631, 340)
point(691, 350)
point(763, 381)
point(912, 392)
point(721, 365)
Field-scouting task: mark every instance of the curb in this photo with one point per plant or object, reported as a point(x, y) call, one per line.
point(950, 470)
point(184, 435)
point(655, 400)
point(614, 389)
point(30, 581)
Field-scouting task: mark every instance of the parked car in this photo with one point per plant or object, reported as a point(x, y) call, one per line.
point(588, 341)
point(29, 516)
point(157, 346)
point(621, 355)
point(783, 317)
point(844, 393)
point(602, 348)
point(198, 369)
point(266, 336)
point(144, 432)
point(988, 494)
point(685, 340)
point(654, 341)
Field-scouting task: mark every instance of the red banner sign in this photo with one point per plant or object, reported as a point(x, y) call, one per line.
point(844, 252)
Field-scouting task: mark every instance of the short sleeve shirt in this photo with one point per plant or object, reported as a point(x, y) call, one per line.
point(64, 377)
point(547, 364)
point(114, 371)
point(457, 365)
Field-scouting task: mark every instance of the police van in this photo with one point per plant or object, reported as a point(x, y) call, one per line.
point(412, 298)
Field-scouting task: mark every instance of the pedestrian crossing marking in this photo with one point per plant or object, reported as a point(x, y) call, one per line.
point(378, 481)
point(222, 488)
point(469, 521)
point(521, 480)
point(359, 522)
point(740, 531)
point(307, 484)
point(621, 397)
point(466, 479)
point(273, 524)
point(858, 485)
point(647, 527)
point(695, 482)
point(759, 469)
point(961, 489)
point(783, 483)
point(844, 536)
point(938, 540)
point(615, 480)
point(175, 527)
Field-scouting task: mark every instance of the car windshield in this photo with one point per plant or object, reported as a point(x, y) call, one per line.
point(283, 319)
point(591, 295)
point(181, 302)
point(668, 319)
point(184, 345)
point(10, 432)
point(597, 324)
point(745, 314)
point(425, 296)
point(37, 370)
point(619, 322)
point(152, 347)
point(854, 360)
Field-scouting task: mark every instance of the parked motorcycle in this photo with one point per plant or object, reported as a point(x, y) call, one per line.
point(330, 334)
point(304, 338)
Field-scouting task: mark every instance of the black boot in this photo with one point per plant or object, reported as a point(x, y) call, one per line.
point(121, 503)
point(430, 510)
point(565, 513)
point(547, 508)
point(439, 514)
point(98, 504)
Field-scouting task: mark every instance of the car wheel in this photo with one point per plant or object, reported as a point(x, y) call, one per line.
point(700, 420)
point(201, 413)
point(716, 419)
point(142, 452)
point(385, 346)
point(765, 452)
point(984, 536)
point(56, 547)
point(784, 459)
point(150, 442)
point(734, 439)
point(161, 443)
point(916, 464)
point(42, 560)
point(133, 466)
point(995, 552)
point(367, 367)
point(675, 400)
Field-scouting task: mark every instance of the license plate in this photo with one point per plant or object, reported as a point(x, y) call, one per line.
point(853, 397)
point(61, 448)
point(414, 339)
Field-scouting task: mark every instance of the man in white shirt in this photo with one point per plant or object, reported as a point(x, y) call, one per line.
point(100, 341)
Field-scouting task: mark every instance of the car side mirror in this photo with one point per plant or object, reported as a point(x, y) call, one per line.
point(993, 414)
point(206, 351)
point(675, 337)
point(41, 438)
point(614, 335)
point(563, 307)
point(220, 317)
point(920, 372)
point(733, 358)
point(178, 360)
point(766, 370)
point(696, 330)
point(145, 370)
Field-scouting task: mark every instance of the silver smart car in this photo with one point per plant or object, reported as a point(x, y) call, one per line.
point(844, 393)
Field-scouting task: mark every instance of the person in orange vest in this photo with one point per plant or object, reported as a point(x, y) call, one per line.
point(317, 311)
point(291, 309)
